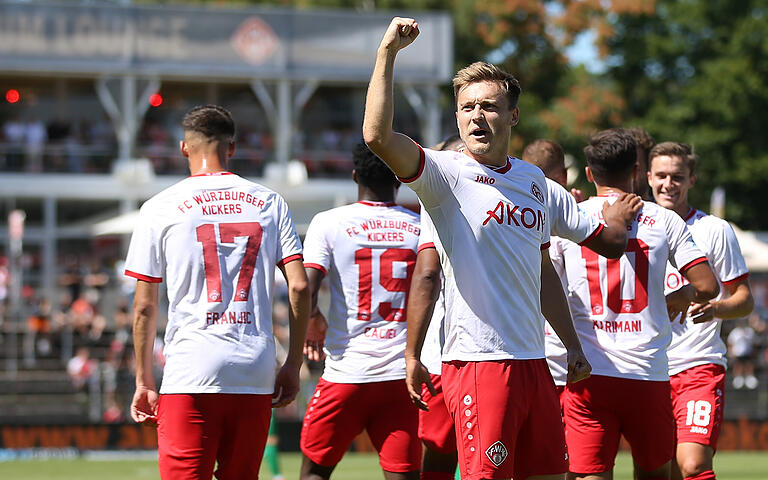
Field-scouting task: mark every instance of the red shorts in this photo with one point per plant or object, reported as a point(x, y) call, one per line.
point(507, 418)
point(195, 431)
point(436, 426)
point(698, 397)
point(338, 412)
point(600, 409)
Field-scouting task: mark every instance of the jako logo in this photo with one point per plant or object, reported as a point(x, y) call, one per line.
point(484, 179)
point(526, 217)
point(497, 453)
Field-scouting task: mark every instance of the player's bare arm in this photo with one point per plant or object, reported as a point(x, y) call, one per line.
point(287, 380)
point(398, 151)
point(738, 304)
point(424, 292)
point(612, 240)
point(318, 325)
point(702, 288)
point(555, 309)
point(144, 404)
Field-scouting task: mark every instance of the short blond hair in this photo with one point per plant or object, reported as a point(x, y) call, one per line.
point(485, 72)
point(675, 149)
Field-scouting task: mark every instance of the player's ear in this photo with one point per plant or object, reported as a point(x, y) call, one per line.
point(693, 179)
point(184, 148)
point(515, 116)
point(588, 171)
point(354, 175)
point(231, 149)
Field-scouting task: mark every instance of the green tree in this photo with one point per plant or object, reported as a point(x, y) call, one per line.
point(695, 71)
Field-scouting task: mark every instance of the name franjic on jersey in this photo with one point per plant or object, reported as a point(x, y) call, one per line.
point(618, 326)
point(229, 318)
point(208, 197)
point(370, 229)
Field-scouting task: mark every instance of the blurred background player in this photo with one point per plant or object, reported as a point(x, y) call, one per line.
point(215, 238)
point(490, 210)
point(368, 250)
point(620, 313)
point(644, 143)
point(608, 238)
point(697, 353)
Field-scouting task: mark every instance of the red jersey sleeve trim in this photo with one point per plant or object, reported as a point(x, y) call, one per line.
point(693, 263)
point(737, 279)
point(291, 258)
point(545, 246)
point(425, 246)
point(422, 160)
point(593, 235)
point(145, 278)
point(316, 266)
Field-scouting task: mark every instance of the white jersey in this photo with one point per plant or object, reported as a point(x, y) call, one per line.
point(700, 344)
point(215, 239)
point(492, 225)
point(432, 350)
point(368, 250)
point(570, 222)
point(618, 305)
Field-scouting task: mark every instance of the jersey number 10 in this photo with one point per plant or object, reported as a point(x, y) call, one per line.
point(364, 261)
point(206, 234)
point(615, 302)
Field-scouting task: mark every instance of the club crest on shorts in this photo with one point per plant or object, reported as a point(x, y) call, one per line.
point(536, 191)
point(497, 453)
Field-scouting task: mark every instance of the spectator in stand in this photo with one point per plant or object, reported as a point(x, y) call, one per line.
point(81, 367)
point(741, 349)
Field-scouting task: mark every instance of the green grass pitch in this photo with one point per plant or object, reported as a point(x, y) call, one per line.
point(728, 465)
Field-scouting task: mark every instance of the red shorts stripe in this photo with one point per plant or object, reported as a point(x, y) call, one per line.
point(145, 278)
point(598, 410)
point(507, 418)
point(436, 426)
point(338, 412)
point(196, 431)
point(698, 399)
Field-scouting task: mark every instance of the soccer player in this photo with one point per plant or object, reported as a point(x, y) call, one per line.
point(697, 353)
point(620, 313)
point(490, 213)
point(644, 142)
point(215, 238)
point(368, 251)
point(435, 426)
point(569, 222)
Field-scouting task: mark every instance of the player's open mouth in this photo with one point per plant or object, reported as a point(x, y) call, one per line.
point(479, 133)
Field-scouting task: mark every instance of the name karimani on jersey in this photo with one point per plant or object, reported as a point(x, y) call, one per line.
point(369, 226)
point(221, 196)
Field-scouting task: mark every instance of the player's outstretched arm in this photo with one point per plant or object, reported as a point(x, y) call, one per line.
point(287, 381)
point(318, 325)
point(424, 292)
point(395, 149)
point(738, 304)
point(612, 240)
point(144, 404)
point(555, 309)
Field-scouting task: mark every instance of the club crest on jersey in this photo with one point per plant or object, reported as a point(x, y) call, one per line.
point(497, 453)
point(536, 191)
point(214, 296)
